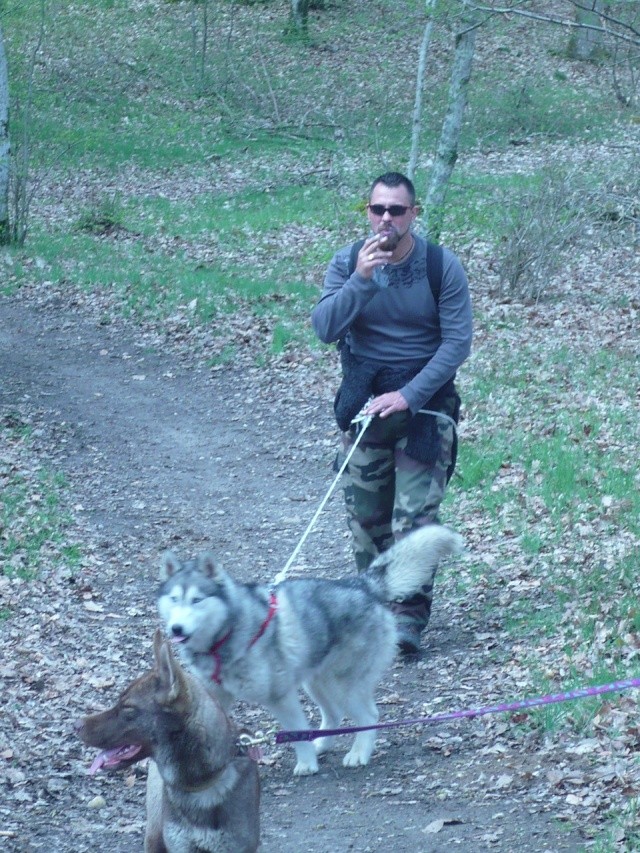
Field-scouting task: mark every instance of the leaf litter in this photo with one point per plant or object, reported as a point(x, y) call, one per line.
point(74, 635)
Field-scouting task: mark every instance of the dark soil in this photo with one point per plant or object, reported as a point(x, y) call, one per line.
point(161, 452)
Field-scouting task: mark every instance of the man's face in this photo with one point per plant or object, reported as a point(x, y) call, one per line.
point(390, 224)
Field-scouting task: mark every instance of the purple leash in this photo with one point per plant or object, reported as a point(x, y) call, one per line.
point(550, 699)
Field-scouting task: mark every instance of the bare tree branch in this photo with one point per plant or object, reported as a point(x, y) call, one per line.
point(618, 29)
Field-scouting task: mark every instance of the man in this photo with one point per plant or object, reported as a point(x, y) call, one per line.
point(401, 343)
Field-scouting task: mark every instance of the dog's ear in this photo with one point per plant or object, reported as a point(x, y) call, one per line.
point(169, 565)
point(158, 639)
point(168, 669)
point(209, 566)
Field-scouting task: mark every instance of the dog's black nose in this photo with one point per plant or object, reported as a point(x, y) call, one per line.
point(177, 630)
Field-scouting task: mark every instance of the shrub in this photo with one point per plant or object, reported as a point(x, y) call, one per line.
point(538, 224)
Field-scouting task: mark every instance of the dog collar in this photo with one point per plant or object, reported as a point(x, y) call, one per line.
point(273, 606)
point(208, 783)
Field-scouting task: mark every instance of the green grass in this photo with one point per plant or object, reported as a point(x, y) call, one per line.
point(507, 110)
point(247, 215)
point(479, 462)
point(565, 476)
point(156, 108)
point(276, 141)
point(147, 109)
point(33, 518)
point(573, 472)
point(155, 285)
point(34, 524)
point(226, 356)
point(576, 714)
point(622, 829)
point(152, 106)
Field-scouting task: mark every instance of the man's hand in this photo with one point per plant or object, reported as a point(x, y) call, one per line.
point(387, 404)
point(371, 256)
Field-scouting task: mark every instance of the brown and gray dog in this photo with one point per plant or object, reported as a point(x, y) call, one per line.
point(203, 795)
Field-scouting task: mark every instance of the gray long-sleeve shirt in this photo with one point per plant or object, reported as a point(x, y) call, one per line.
point(392, 318)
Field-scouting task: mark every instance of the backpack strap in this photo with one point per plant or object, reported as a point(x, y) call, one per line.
point(434, 266)
point(353, 257)
point(434, 270)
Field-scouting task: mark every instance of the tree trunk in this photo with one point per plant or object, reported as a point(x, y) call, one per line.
point(416, 124)
point(587, 44)
point(4, 145)
point(447, 151)
point(299, 17)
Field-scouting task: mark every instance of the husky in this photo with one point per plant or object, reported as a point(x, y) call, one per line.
point(203, 795)
point(333, 638)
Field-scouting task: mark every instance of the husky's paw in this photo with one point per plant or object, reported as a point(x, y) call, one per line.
point(304, 768)
point(356, 758)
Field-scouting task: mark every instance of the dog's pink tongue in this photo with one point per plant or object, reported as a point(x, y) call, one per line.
point(98, 762)
point(113, 757)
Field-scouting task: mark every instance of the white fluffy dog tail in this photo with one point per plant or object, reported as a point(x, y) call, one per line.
point(413, 560)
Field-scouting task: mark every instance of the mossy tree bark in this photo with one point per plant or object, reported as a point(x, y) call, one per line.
point(447, 150)
point(4, 144)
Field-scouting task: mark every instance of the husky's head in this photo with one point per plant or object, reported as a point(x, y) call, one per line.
point(193, 600)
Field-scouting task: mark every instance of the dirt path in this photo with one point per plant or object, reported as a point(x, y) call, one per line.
point(159, 452)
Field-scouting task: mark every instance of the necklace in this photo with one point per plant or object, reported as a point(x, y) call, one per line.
point(407, 253)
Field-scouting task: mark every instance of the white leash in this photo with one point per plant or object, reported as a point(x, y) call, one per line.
point(364, 421)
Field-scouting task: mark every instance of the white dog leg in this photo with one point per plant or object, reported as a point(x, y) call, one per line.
point(288, 711)
point(360, 753)
point(363, 712)
point(326, 696)
point(323, 744)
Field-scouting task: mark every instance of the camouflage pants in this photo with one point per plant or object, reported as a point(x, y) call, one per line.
point(388, 494)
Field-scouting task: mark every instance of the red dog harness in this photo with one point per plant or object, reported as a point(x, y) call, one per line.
point(214, 651)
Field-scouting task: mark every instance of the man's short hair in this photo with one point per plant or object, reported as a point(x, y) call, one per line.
point(395, 179)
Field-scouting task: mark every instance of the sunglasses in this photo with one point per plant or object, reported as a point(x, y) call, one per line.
point(393, 209)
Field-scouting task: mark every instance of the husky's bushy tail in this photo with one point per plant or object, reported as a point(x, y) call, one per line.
point(413, 561)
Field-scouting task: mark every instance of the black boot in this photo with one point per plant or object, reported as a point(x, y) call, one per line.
point(412, 616)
